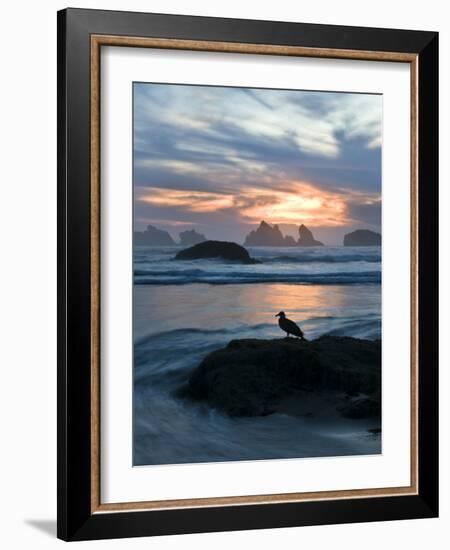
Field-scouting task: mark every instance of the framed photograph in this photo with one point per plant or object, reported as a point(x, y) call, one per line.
point(247, 274)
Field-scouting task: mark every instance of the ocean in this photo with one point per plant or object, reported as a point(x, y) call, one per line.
point(183, 310)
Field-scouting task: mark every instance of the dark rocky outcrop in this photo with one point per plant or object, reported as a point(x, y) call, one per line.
point(268, 235)
point(306, 237)
point(289, 241)
point(153, 237)
point(361, 407)
point(189, 238)
point(217, 249)
point(362, 237)
point(253, 377)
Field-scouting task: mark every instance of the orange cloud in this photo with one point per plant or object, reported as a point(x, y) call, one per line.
point(295, 202)
point(193, 201)
point(300, 202)
point(174, 223)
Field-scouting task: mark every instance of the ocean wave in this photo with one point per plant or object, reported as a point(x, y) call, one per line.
point(199, 276)
point(181, 333)
point(325, 259)
point(162, 358)
point(184, 337)
point(299, 259)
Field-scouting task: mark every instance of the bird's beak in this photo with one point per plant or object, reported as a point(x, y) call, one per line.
point(277, 315)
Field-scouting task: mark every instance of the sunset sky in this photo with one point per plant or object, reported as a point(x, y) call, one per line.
point(220, 160)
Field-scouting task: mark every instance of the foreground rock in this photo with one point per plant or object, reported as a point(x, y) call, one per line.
point(306, 237)
point(362, 237)
point(361, 407)
point(255, 377)
point(217, 249)
point(189, 238)
point(153, 237)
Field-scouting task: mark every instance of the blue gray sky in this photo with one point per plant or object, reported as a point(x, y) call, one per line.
point(220, 160)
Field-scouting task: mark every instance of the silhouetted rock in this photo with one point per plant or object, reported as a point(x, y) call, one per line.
point(253, 377)
point(217, 249)
point(289, 241)
point(268, 235)
point(306, 237)
point(374, 431)
point(362, 237)
point(189, 238)
point(153, 237)
point(361, 407)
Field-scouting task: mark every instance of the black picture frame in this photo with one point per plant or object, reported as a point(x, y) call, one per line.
point(76, 521)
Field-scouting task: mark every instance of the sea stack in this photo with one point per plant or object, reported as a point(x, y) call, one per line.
point(268, 235)
point(306, 237)
point(362, 237)
point(153, 237)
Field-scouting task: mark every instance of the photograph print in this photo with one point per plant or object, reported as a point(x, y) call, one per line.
point(257, 274)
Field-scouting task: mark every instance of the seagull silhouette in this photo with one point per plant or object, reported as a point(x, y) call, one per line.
point(289, 326)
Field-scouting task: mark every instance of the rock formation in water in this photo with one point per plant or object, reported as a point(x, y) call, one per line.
point(289, 241)
point(268, 235)
point(189, 238)
point(217, 249)
point(153, 237)
point(255, 377)
point(306, 237)
point(362, 237)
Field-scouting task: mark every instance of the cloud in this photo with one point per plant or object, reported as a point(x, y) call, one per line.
point(367, 211)
point(192, 201)
point(310, 120)
point(296, 202)
point(202, 152)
